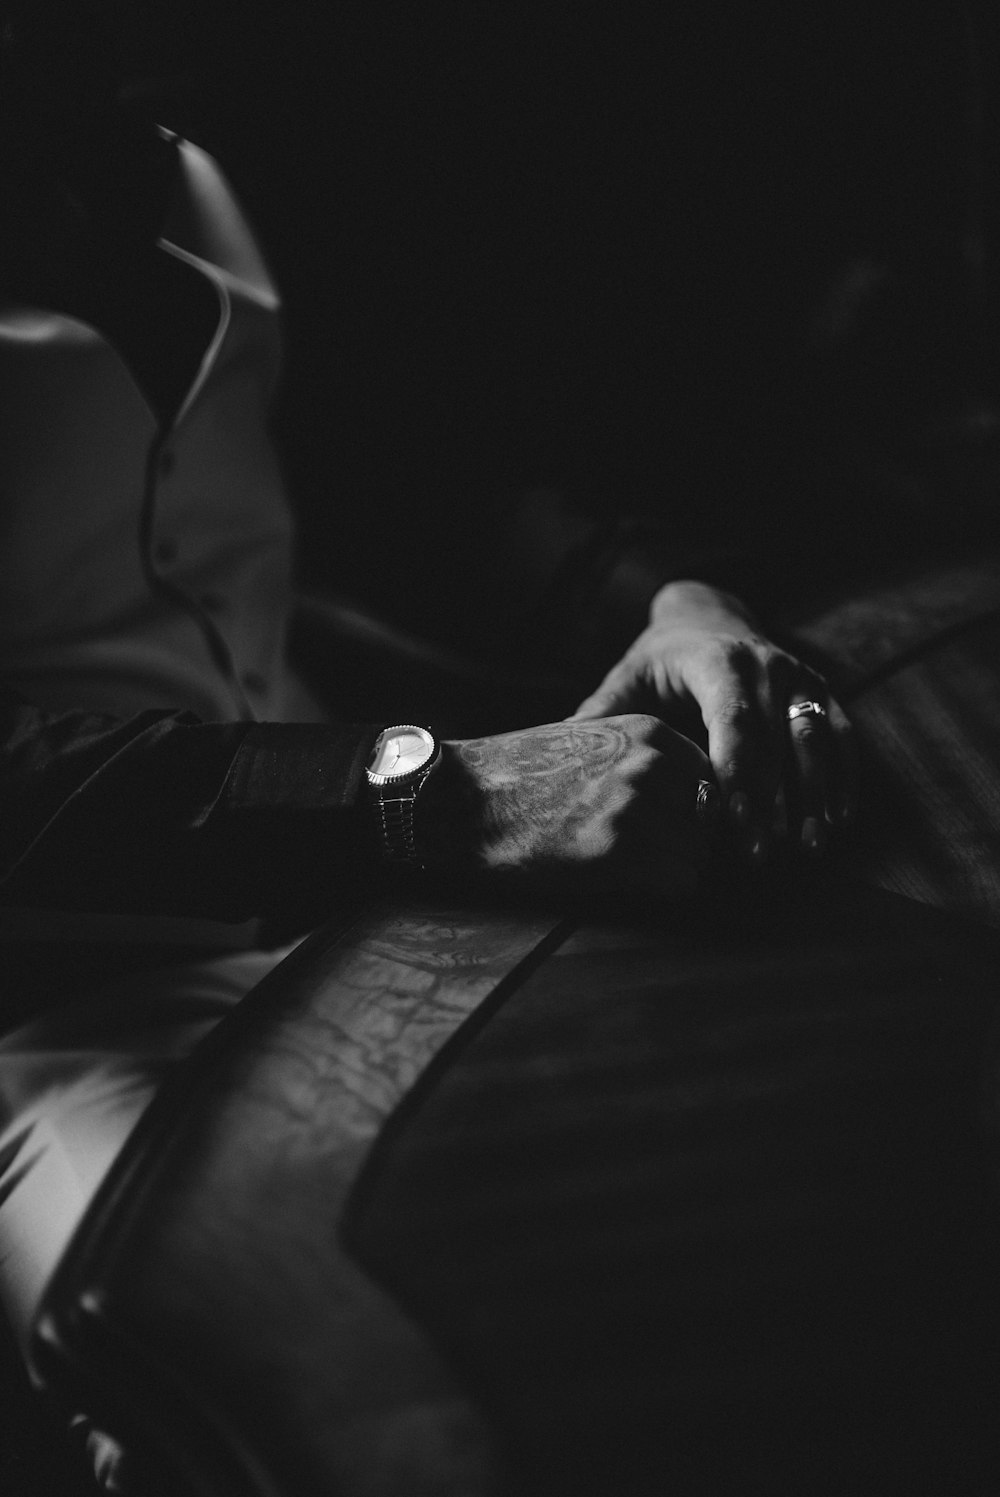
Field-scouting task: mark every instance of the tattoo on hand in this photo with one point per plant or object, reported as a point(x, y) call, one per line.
point(555, 749)
point(530, 796)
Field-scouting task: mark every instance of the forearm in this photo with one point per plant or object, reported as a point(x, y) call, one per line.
point(164, 814)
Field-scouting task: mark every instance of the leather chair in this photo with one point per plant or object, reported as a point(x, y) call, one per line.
point(234, 1306)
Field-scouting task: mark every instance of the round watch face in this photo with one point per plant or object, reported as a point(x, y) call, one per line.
point(400, 751)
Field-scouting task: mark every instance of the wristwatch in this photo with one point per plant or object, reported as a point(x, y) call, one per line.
point(403, 757)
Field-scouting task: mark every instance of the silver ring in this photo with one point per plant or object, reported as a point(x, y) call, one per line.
point(805, 709)
point(706, 801)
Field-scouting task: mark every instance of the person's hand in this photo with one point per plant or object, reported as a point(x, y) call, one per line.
point(581, 807)
point(777, 776)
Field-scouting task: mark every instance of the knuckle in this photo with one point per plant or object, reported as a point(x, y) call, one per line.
point(807, 731)
point(642, 726)
point(730, 769)
point(781, 668)
point(644, 762)
point(735, 713)
point(729, 658)
point(754, 653)
point(619, 811)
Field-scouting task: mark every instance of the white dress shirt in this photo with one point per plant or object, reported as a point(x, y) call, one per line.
point(94, 614)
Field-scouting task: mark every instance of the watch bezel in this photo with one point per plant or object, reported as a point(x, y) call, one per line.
point(378, 779)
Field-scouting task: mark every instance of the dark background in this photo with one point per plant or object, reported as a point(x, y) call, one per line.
point(726, 266)
point(730, 271)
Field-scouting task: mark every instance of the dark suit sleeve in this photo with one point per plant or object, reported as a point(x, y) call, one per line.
point(162, 813)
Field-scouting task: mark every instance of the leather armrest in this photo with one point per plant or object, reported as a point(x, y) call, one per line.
point(207, 1311)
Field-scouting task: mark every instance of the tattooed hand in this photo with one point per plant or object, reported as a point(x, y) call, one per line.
point(777, 777)
point(590, 806)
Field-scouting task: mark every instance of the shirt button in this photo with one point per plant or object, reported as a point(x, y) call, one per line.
point(165, 551)
point(254, 681)
point(167, 463)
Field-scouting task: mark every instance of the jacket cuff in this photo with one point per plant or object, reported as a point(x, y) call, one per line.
point(294, 818)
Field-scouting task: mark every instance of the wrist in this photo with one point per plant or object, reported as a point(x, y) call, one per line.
point(446, 814)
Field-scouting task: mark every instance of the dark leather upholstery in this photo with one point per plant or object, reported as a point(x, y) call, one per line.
point(626, 1187)
point(303, 1376)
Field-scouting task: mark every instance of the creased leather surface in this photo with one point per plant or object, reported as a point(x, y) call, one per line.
point(706, 1206)
point(210, 1307)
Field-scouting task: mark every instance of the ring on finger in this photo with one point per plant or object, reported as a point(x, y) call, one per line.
point(706, 802)
point(805, 709)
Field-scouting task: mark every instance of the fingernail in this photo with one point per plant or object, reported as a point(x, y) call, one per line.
point(846, 811)
point(757, 849)
point(813, 835)
point(739, 807)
